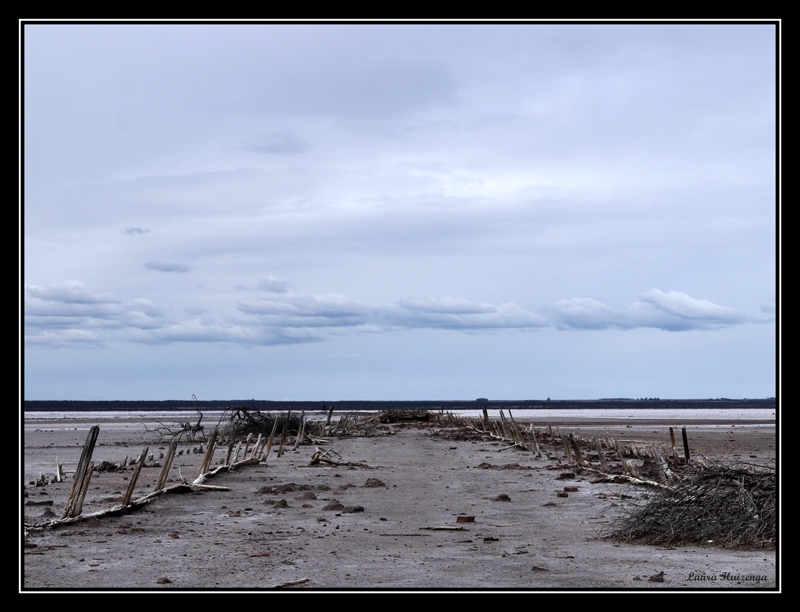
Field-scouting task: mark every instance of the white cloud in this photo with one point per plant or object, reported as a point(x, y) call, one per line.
point(672, 311)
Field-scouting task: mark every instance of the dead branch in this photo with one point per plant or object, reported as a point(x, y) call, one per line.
point(733, 506)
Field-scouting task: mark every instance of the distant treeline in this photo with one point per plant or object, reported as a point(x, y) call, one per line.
point(601, 404)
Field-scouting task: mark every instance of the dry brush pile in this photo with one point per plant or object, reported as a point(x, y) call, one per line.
point(733, 506)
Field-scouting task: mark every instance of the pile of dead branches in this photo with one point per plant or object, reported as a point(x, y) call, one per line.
point(394, 415)
point(733, 506)
point(239, 421)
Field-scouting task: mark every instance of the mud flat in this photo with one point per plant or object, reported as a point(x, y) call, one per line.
point(391, 522)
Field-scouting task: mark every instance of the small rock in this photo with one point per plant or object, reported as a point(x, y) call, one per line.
point(659, 577)
point(164, 580)
point(374, 482)
point(502, 498)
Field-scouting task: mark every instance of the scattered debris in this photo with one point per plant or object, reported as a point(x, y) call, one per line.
point(291, 583)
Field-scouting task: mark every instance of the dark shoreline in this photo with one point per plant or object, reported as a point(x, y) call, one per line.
point(450, 405)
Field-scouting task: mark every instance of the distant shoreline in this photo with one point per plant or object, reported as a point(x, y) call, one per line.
point(352, 405)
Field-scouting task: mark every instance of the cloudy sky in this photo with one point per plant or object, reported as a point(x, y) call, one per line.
point(394, 211)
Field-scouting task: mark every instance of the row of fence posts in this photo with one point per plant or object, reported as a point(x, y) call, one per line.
point(250, 455)
point(508, 430)
point(505, 429)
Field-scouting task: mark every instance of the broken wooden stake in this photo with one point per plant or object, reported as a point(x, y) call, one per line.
point(577, 449)
point(129, 493)
point(162, 477)
point(272, 439)
point(80, 472)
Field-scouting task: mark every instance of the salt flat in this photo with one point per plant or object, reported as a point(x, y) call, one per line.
point(272, 527)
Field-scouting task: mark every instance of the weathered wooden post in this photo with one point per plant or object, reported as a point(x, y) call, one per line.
point(601, 455)
point(659, 465)
point(80, 472)
point(283, 436)
point(272, 438)
point(84, 488)
point(256, 447)
point(685, 445)
point(129, 493)
point(567, 452)
point(328, 421)
point(300, 429)
point(672, 439)
point(162, 477)
point(577, 449)
point(212, 446)
point(246, 445)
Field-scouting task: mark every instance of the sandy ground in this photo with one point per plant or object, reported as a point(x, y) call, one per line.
point(272, 527)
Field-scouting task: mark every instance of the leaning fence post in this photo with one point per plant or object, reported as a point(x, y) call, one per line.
point(162, 477)
point(80, 472)
point(84, 489)
point(127, 499)
point(576, 448)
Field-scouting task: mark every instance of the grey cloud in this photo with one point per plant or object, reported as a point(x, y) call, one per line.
point(70, 313)
point(136, 230)
point(61, 315)
point(308, 311)
point(69, 292)
point(272, 284)
point(457, 313)
point(278, 144)
point(167, 266)
point(446, 305)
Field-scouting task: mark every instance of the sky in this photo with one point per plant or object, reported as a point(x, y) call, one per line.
point(398, 211)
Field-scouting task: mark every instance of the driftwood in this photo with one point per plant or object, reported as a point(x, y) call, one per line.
point(180, 429)
point(121, 509)
point(321, 456)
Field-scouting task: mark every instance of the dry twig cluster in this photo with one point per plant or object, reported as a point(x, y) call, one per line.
point(733, 506)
